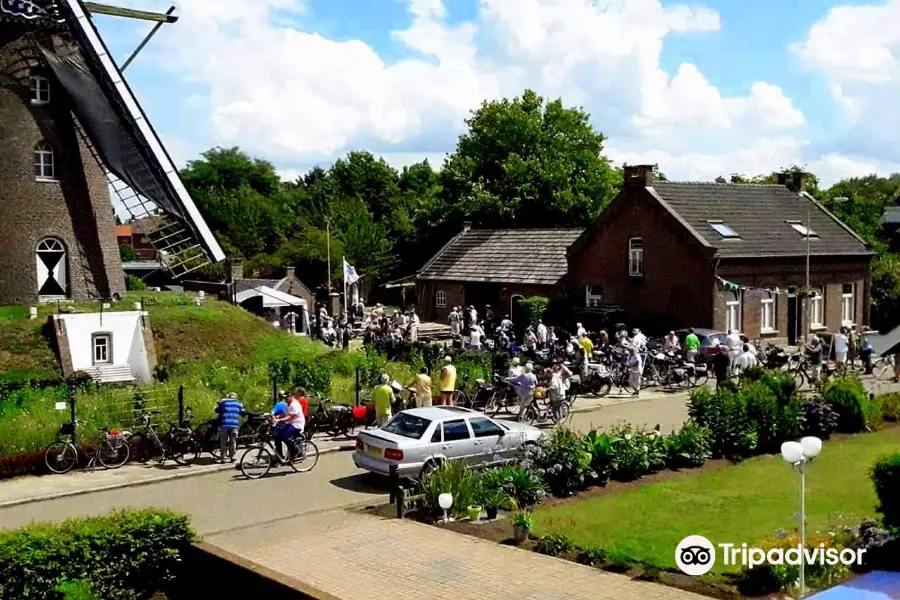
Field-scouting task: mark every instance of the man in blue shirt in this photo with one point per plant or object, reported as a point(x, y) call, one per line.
point(230, 410)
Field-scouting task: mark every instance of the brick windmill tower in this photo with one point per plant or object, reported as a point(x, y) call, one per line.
point(72, 137)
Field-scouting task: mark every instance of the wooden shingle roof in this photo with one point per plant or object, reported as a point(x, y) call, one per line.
point(530, 256)
point(761, 216)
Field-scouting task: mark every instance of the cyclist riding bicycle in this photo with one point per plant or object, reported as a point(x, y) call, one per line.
point(289, 424)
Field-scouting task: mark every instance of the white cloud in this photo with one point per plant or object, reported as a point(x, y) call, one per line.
point(296, 97)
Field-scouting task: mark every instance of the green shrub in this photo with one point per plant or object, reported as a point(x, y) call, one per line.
point(753, 373)
point(592, 556)
point(452, 477)
point(763, 411)
point(600, 447)
point(819, 419)
point(532, 310)
point(631, 452)
point(553, 544)
point(689, 447)
point(562, 460)
point(522, 485)
point(125, 555)
point(134, 284)
point(886, 477)
point(889, 406)
point(849, 399)
point(75, 590)
point(724, 414)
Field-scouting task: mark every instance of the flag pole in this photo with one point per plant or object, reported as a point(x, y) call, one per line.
point(344, 270)
point(328, 242)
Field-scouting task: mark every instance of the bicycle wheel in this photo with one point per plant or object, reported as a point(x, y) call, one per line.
point(310, 458)
point(699, 378)
point(142, 448)
point(460, 398)
point(183, 451)
point(493, 405)
point(256, 462)
point(61, 457)
point(113, 453)
point(561, 414)
point(604, 388)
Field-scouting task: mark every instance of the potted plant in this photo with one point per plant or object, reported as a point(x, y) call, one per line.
point(522, 523)
point(474, 513)
point(493, 501)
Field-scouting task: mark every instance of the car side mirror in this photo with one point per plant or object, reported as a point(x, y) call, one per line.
point(502, 432)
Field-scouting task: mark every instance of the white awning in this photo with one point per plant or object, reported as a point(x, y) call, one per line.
point(271, 298)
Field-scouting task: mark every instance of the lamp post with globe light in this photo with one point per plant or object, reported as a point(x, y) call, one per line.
point(445, 501)
point(799, 454)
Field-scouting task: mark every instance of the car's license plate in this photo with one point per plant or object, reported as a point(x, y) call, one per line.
point(375, 451)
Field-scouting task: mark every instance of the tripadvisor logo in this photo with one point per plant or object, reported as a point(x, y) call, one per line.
point(696, 555)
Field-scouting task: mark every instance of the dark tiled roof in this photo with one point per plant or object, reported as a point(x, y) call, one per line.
point(249, 284)
point(758, 213)
point(536, 256)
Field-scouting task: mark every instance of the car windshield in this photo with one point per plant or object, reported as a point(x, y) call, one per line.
point(408, 426)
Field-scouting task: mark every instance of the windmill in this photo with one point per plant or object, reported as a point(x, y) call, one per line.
point(71, 134)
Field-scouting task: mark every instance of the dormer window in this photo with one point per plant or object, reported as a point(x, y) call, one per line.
point(724, 229)
point(802, 229)
point(40, 90)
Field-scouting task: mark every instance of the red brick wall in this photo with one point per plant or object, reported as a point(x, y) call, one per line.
point(456, 296)
point(677, 286)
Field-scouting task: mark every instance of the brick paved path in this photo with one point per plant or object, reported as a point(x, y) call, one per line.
point(354, 556)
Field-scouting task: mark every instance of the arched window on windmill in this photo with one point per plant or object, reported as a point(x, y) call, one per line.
point(52, 268)
point(44, 162)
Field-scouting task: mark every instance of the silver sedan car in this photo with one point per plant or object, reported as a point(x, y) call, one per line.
point(419, 439)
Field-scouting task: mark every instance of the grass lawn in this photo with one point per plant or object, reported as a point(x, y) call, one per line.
point(737, 504)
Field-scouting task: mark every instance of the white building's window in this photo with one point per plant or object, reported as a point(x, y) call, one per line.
point(102, 348)
point(440, 299)
point(44, 168)
point(40, 90)
point(848, 312)
point(733, 310)
point(767, 312)
point(593, 295)
point(636, 257)
point(816, 307)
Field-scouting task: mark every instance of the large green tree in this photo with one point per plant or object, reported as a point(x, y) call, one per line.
point(527, 162)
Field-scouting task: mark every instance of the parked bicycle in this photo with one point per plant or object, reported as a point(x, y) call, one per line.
point(112, 451)
point(258, 460)
point(541, 410)
point(331, 419)
point(178, 443)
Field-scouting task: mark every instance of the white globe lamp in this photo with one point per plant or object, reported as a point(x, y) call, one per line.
point(445, 501)
point(792, 452)
point(812, 446)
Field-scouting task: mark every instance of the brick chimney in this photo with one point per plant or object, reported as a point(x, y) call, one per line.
point(638, 176)
point(289, 273)
point(793, 180)
point(237, 269)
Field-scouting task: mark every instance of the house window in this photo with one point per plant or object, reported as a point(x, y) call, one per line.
point(102, 348)
point(40, 90)
point(725, 230)
point(767, 312)
point(847, 305)
point(593, 295)
point(800, 228)
point(636, 257)
point(733, 310)
point(52, 272)
point(43, 163)
point(816, 312)
point(440, 299)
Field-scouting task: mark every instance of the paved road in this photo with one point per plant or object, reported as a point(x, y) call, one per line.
point(222, 501)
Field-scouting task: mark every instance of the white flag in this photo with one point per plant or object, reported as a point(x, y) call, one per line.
point(350, 276)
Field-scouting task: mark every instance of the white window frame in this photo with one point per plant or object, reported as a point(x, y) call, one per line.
point(724, 229)
point(440, 299)
point(44, 163)
point(40, 90)
point(816, 314)
point(107, 348)
point(590, 298)
point(767, 313)
point(733, 300)
point(635, 257)
point(848, 304)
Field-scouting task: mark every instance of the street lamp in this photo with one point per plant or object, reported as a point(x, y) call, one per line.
point(445, 501)
point(798, 454)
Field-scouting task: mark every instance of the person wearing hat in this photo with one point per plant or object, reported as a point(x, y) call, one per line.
point(229, 410)
point(448, 381)
point(383, 396)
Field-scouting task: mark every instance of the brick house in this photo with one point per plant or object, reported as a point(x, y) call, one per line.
point(723, 256)
point(493, 266)
point(237, 283)
point(137, 235)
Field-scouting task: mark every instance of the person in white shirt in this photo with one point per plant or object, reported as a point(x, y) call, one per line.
point(671, 343)
point(841, 347)
point(580, 330)
point(453, 319)
point(734, 345)
point(551, 336)
point(506, 324)
point(473, 315)
point(541, 335)
point(413, 328)
point(476, 334)
point(745, 360)
point(289, 426)
point(557, 391)
point(638, 340)
point(524, 384)
point(635, 366)
point(530, 340)
point(514, 368)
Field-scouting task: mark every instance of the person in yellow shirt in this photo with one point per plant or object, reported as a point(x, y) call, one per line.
point(587, 344)
point(448, 381)
point(383, 395)
point(421, 384)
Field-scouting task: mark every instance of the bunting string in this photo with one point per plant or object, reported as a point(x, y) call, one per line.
point(732, 286)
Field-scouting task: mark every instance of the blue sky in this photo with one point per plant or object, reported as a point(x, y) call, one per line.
point(701, 89)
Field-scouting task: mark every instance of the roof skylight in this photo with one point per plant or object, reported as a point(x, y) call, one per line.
point(802, 229)
point(723, 229)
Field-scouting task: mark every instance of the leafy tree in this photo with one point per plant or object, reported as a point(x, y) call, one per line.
point(247, 220)
point(867, 197)
point(527, 162)
point(230, 169)
point(127, 253)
